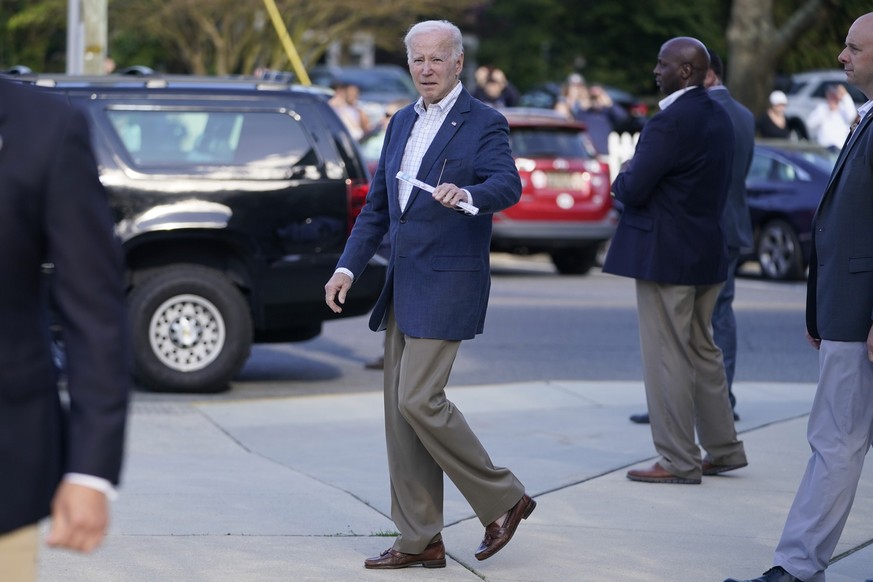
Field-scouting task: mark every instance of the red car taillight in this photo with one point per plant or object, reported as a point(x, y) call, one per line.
point(357, 192)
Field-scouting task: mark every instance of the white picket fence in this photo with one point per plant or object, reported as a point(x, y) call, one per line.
point(621, 149)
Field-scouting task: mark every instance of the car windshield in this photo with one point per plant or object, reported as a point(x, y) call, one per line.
point(547, 142)
point(824, 160)
point(375, 82)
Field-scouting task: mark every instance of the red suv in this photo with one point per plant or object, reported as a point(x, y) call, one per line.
point(566, 207)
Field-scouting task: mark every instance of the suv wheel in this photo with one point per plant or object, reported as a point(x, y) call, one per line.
point(192, 330)
point(574, 261)
point(779, 252)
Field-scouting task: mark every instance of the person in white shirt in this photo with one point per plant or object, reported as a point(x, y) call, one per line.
point(830, 121)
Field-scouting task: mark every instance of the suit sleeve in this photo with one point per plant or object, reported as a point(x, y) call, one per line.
point(88, 295)
point(654, 156)
point(499, 186)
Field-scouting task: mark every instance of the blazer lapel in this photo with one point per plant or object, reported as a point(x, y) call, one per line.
point(401, 131)
point(436, 153)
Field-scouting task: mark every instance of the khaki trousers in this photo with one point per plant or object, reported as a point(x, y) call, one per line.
point(686, 387)
point(18, 554)
point(427, 436)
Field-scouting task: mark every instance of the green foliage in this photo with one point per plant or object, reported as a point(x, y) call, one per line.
point(819, 48)
point(613, 42)
point(33, 34)
point(533, 41)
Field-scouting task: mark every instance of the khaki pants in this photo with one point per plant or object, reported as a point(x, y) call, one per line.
point(18, 551)
point(427, 436)
point(686, 386)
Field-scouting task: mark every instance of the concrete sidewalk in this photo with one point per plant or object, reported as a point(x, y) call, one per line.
point(296, 489)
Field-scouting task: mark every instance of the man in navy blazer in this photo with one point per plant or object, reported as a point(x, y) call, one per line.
point(435, 295)
point(839, 323)
point(736, 221)
point(58, 458)
point(669, 239)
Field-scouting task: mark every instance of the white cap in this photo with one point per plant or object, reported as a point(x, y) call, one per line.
point(576, 79)
point(778, 98)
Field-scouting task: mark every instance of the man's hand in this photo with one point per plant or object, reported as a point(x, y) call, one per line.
point(335, 291)
point(449, 195)
point(816, 343)
point(80, 516)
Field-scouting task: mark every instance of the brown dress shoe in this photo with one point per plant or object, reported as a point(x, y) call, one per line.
point(433, 556)
point(657, 474)
point(709, 468)
point(377, 364)
point(497, 536)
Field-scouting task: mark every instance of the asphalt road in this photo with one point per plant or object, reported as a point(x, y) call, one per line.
point(540, 326)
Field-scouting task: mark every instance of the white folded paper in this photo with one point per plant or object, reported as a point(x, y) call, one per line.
point(428, 188)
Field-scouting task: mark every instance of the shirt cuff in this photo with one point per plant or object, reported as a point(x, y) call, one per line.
point(92, 482)
point(469, 201)
point(345, 272)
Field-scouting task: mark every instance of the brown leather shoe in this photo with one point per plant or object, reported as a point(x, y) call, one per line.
point(497, 536)
point(657, 474)
point(433, 556)
point(709, 468)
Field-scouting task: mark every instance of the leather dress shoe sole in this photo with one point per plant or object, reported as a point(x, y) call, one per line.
point(775, 574)
point(710, 469)
point(433, 556)
point(643, 418)
point(497, 536)
point(657, 474)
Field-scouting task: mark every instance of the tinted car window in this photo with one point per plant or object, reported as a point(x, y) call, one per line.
point(535, 142)
point(766, 168)
point(824, 160)
point(173, 138)
point(821, 90)
point(796, 87)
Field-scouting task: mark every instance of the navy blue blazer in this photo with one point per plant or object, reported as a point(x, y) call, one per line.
point(438, 274)
point(840, 284)
point(736, 220)
point(674, 191)
point(53, 209)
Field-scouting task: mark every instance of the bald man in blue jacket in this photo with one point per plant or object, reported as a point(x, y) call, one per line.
point(670, 240)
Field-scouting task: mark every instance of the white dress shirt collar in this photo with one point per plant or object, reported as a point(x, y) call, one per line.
point(865, 109)
point(444, 104)
point(669, 99)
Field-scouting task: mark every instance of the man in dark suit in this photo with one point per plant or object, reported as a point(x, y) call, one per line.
point(736, 221)
point(669, 239)
point(838, 323)
point(436, 295)
point(56, 458)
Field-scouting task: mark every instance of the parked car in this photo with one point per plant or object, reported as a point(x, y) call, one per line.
point(785, 184)
point(806, 90)
point(565, 208)
point(233, 200)
point(379, 85)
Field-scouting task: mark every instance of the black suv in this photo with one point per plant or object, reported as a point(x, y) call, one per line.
point(233, 200)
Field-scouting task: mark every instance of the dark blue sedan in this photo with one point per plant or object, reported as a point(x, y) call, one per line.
point(785, 183)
